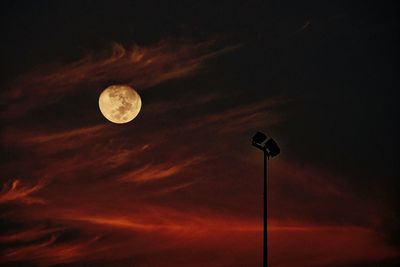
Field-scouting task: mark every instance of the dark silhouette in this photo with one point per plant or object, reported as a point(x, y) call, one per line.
point(270, 149)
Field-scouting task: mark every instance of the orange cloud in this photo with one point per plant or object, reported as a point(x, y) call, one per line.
point(167, 221)
point(150, 172)
point(153, 229)
point(28, 235)
point(14, 192)
point(141, 67)
point(52, 141)
point(48, 252)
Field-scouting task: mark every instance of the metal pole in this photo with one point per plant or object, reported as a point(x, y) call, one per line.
point(265, 245)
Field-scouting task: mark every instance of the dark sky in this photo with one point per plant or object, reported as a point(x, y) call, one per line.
point(181, 185)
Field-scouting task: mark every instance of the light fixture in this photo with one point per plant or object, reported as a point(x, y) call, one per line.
point(270, 149)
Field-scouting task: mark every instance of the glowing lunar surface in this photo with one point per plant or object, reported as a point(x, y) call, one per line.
point(120, 103)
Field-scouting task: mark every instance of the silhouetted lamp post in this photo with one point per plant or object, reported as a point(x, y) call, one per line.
point(270, 149)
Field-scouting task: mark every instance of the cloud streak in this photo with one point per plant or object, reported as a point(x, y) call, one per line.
point(15, 192)
point(48, 252)
point(142, 67)
point(153, 172)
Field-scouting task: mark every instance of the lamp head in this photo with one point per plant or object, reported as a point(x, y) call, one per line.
point(258, 138)
point(269, 146)
point(272, 148)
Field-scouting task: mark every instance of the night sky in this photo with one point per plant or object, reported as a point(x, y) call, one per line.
point(181, 185)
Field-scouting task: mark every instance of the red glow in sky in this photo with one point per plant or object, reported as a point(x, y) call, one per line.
point(181, 184)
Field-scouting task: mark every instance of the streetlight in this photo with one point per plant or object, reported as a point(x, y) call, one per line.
point(270, 149)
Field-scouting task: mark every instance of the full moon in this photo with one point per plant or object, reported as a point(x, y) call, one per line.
point(119, 103)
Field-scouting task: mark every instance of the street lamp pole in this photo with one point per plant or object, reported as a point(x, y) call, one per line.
point(265, 219)
point(270, 149)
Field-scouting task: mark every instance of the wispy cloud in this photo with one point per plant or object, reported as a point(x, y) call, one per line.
point(241, 117)
point(142, 67)
point(155, 172)
point(52, 141)
point(15, 192)
point(32, 234)
point(164, 220)
point(49, 252)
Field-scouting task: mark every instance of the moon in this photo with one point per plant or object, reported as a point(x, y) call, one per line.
point(120, 103)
